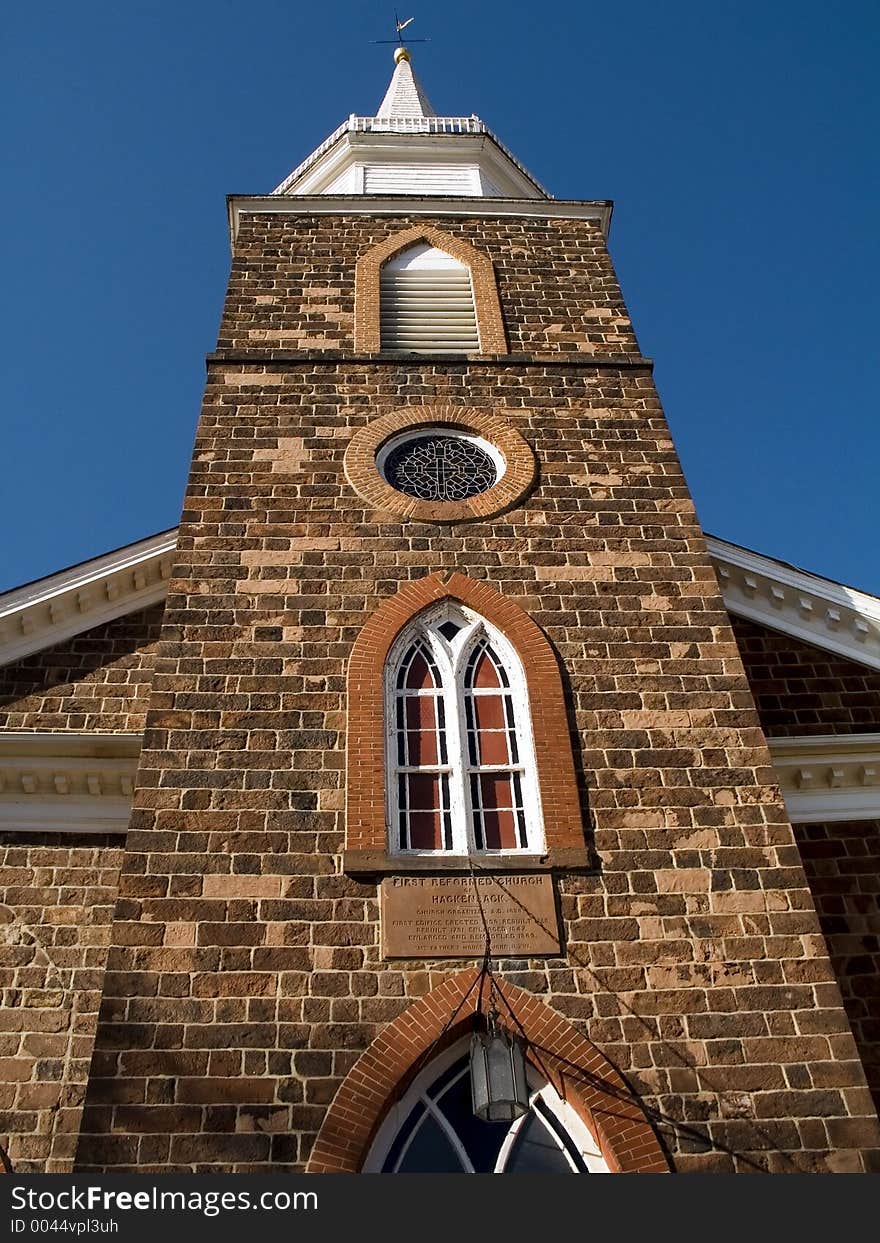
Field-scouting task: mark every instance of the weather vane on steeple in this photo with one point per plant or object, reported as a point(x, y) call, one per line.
point(400, 26)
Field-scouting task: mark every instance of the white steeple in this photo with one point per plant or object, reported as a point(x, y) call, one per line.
point(405, 96)
point(406, 148)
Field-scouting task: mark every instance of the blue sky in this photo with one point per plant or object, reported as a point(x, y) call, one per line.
point(737, 138)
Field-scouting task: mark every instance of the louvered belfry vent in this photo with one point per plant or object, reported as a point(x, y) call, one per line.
point(427, 301)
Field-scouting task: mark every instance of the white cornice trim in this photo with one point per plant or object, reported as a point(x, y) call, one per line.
point(815, 610)
point(414, 205)
point(67, 782)
point(53, 609)
point(829, 777)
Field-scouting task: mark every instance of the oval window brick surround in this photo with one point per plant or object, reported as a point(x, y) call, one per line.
point(363, 473)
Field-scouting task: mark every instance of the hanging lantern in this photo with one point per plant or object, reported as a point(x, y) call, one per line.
point(499, 1090)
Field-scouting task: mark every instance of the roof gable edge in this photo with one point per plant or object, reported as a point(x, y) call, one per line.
point(53, 609)
point(815, 610)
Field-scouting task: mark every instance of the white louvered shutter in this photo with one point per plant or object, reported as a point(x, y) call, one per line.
point(463, 179)
point(427, 302)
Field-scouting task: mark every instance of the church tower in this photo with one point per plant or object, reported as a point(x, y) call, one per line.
point(448, 731)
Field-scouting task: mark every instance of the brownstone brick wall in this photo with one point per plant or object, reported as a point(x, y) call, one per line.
point(57, 892)
point(800, 689)
point(98, 680)
point(842, 863)
point(56, 906)
point(245, 978)
point(306, 299)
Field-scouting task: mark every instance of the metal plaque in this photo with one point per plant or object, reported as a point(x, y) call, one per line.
point(442, 916)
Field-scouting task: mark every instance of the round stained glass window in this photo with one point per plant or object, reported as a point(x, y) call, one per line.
point(440, 465)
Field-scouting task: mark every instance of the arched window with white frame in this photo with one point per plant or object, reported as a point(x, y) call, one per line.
point(427, 303)
point(460, 758)
point(433, 1130)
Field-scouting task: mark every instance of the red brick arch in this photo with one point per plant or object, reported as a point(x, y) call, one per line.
point(366, 837)
point(579, 1072)
point(490, 322)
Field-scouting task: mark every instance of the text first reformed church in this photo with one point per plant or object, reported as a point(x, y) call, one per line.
point(438, 715)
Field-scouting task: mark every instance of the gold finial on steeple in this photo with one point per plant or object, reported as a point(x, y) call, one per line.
point(401, 53)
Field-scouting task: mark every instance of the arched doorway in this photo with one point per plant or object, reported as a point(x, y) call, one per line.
point(432, 1130)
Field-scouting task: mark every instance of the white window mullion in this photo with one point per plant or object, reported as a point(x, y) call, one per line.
point(392, 767)
point(464, 647)
point(449, 1131)
point(454, 738)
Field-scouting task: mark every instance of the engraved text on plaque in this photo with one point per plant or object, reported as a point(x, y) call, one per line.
point(439, 916)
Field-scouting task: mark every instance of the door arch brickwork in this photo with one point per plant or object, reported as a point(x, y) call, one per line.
point(579, 1071)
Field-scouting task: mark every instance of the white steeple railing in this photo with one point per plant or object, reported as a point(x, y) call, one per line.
point(417, 125)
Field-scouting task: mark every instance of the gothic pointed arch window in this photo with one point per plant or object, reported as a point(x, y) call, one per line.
point(432, 1130)
point(424, 290)
point(427, 303)
point(460, 757)
point(465, 751)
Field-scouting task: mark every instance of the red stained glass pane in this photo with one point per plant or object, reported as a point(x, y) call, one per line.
point(495, 790)
point(493, 747)
point(484, 673)
point(498, 811)
point(419, 676)
point(424, 792)
point(424, 831)
point(421, 733)
point(499, 830)
point(421, 747)
point(421, 712)
point(490, 711)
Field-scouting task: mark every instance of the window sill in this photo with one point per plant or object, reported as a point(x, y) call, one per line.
point(370, 863)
